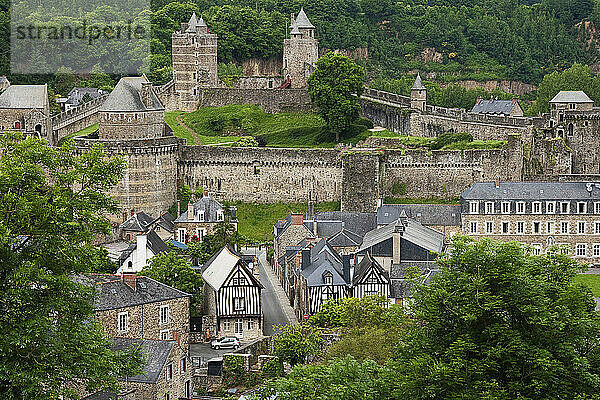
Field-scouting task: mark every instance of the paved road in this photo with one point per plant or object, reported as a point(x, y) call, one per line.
point(276, 308)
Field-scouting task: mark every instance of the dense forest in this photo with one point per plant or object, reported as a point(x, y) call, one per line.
point(455, 39)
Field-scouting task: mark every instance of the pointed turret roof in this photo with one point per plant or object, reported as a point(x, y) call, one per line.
point(418, 85)
point(295, 30)
point(192, 24)
point(201, 22)
point(302, 20)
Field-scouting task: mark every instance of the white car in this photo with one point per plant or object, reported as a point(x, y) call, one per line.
point(226, 342)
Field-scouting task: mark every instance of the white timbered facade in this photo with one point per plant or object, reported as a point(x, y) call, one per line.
point(233, 295)
point(370, 279)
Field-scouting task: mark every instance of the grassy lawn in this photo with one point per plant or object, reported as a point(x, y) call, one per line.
point(591, 281)
point(83, 132)
point(255, 221)
point(181, 132)
point(286, 129)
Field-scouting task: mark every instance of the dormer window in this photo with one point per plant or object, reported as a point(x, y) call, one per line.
point(581, 207)
point(201, 216)
point(521, 207)
point(489, 207)
point(537, 207)
point(328, 278)
point(220, 216)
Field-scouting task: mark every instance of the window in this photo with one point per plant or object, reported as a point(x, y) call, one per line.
point(505, 207)
point(169, 371)
point(536, 249)
point(564, 227)
point(250, 324)
point(220, 215)
point(165, 334)
point(597, 207)
point(550, 227)
point(226, 326)
point(521, 207)
point(536, 207)
point(188, 389)
point(581, 250)
point(520, 227)
point(550, 207)
point(505, 226)
point(201, 215)
point(564, 207)
point(581, 208)
point(164, 315)
point(167, 396)
point(581, 227)
point(328, 279)
point(183, 365)
point(181, 235)
point(489, 207)
point(473, 227)
point(123, 322)
point(596, 249)
point(239, 327)
point(474, 207)
point(239, 304)
point(535, 227)
point(489, 227)
point(597, 227)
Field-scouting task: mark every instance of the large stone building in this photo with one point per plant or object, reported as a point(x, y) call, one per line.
point(539, 214)
point(25, 109)
point(300, 51)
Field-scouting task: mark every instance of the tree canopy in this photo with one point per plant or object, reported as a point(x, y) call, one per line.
point(52, 203)
point(334, 88)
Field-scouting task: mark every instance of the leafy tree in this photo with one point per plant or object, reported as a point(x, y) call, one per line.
point(351, 312)
point(334, 88)
point(175, 271)
point(294, 343)
point(224, 234)
point(52, 204)
point(500, 324)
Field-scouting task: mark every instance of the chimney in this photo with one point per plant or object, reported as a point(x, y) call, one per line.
point(379, 202)
point(147, 94)
point(190, 213)
point(297, 219)
point(497, 183)
point(397, 242)
point(205, 193)
point(346, 267)
point(178, 208)
point(132, 212)
point(478, 100)
point(293, 19)
point(176, 336)
point(305, 258)
point(298, 259)
point(124, 215)
point(141, 250)
point(129, 279)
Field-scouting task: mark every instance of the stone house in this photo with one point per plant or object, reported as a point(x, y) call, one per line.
point(25, 109)
point(167, 374)
point(402, 240)
point(232, 295)
point(140, 223)
point(539, 214)
point(401, 284)
point(154, 317)
point(77, 96)
point(502, 108)
point(201, 219)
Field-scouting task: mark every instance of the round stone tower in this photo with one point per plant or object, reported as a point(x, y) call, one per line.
point(131, 123)
point(300, 51)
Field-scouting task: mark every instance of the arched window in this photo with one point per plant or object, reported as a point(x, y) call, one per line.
point(130, 265)
point(17, 125)
point(570, 130)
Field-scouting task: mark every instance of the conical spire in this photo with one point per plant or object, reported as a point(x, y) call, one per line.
point(192, 24)
point(201, 22)
point(302, 20)
point(418, 85)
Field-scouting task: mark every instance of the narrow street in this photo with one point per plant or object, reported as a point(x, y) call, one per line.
point(276, 308)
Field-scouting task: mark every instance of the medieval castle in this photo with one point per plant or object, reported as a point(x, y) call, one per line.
point(560, 146)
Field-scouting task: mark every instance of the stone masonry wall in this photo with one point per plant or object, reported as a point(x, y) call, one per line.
point(275, 100)
point(263, 175)
point(360, 181)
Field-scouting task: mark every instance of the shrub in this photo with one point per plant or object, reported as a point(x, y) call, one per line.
point(450, 137)
point(272, 368)
point(247, 141)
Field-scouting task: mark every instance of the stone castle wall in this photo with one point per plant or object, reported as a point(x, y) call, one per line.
point(262, 175)
point(275, 100)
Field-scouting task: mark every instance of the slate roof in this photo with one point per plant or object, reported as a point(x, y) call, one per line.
point(418, 85)
point(154, 242)
point(127, 96)
point(357, 223)
point(323, 259)
point(302, 20)
point(295, 30)
point(400, 287)
point(565, 96)
point(195, 23)
point(365, 266)
point(138, 222)
point(156, 353)
point(426, 214)
point(533, 191)
point(398, 271)
point(102, 395)
point(75, 96)
point(219, 267)
point(495, 107)
point(24, 96)
point(210, 207)
point(112, 293)
point(414, 232)
point(345, 238)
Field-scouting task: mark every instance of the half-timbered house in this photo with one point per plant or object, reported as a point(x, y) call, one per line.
point(232, 295)
point(370, 279)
